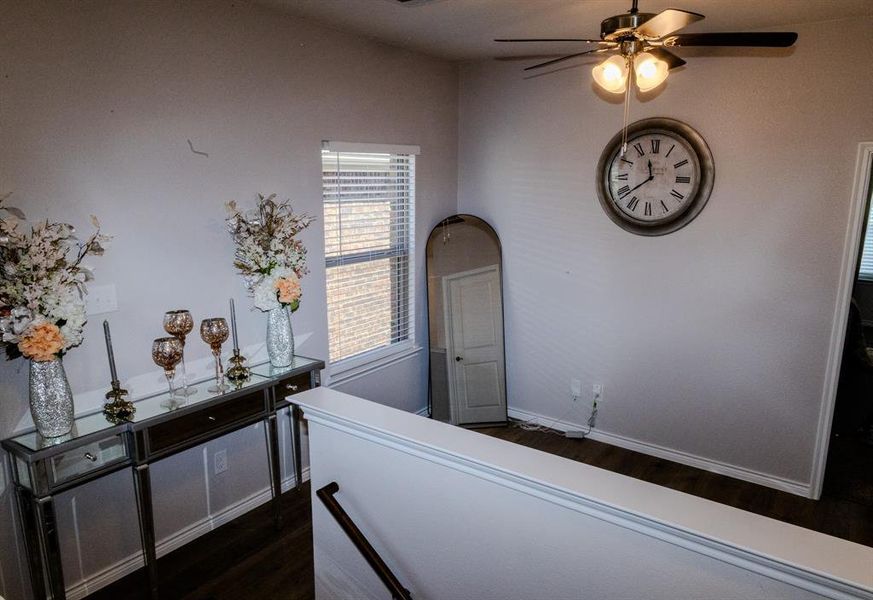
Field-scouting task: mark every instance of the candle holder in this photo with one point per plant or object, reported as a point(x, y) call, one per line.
point(179, 323)
point(117, 409)
point(237, 373)
point(214, 332)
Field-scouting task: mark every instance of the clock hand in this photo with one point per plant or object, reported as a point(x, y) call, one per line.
point(645, 181)
point(650, 171)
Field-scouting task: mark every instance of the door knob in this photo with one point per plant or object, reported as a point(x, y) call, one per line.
point(458, 359)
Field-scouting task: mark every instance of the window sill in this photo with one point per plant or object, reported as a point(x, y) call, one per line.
point(339, 373)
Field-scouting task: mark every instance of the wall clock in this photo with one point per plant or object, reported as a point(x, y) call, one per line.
point(661, 182)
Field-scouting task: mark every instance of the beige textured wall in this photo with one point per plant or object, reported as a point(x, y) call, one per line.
point(97, 102)
point(711, 342)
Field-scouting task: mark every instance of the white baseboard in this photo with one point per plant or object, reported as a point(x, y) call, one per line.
point(700, 462)
point(133, 562)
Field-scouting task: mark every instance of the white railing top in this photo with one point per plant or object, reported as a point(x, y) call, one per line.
point(809, 559)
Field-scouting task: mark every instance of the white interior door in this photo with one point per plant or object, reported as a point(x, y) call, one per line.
point(474, 346)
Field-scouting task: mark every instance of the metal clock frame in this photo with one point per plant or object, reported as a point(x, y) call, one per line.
point(705, 169)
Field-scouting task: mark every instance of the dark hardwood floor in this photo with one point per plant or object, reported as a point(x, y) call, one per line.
point(845, 509)
point(248, 558)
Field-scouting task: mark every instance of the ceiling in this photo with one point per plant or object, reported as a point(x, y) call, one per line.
point(464, 29)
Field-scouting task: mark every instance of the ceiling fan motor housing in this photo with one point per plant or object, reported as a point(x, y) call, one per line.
point(614, 28)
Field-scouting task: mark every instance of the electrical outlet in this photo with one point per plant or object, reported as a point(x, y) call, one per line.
point(575, 388)
point(597, 392)
point(220, 460)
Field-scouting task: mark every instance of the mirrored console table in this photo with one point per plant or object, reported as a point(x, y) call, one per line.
point(162, 426)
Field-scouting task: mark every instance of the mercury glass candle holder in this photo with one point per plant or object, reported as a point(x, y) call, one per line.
point(167, 352)
point(215, 332)
point(179, 323)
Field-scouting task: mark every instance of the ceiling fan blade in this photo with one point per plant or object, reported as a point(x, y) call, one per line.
point(666, 22)
point(526, 57)
point(557, 60)
point(555, 40)
point(671, 59)
point(771, 39)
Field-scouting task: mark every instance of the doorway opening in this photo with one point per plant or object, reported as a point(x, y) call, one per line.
point(849, 468)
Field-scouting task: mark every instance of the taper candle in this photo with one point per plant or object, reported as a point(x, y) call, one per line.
point(109, 351)
point(233, 325)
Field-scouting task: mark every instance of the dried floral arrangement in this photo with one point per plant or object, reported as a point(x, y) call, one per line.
point(268, 255)
point(42, 288)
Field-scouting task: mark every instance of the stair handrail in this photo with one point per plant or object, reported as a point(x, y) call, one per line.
point(326, 495)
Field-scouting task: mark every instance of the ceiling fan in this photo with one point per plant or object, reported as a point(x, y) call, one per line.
point(642, 39)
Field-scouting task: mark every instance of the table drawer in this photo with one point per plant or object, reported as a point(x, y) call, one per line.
point(87, 458)
point(294, 385)
point(201, 423)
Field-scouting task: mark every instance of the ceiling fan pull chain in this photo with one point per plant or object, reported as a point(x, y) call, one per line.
point(627, 93)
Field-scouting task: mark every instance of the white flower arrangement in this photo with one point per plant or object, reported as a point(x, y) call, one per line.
point(268, 255)
point(42, 306)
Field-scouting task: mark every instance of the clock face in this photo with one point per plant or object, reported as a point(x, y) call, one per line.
point(662, 180)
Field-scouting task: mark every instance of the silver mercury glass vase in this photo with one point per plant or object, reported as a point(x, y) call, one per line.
point(51, 400)
point(280, 337)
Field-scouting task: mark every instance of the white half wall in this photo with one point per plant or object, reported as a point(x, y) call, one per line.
point(99, 102)
point(712, 341)
point(463, 515)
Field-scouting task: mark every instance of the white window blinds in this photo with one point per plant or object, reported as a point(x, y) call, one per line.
point(865, 270)
point(369, 199)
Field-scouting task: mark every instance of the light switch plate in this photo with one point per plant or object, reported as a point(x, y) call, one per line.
point(101, 299)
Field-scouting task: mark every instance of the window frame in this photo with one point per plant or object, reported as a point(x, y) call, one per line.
point(354, 366)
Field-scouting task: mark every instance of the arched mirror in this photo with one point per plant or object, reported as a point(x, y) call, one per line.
point(465, 309)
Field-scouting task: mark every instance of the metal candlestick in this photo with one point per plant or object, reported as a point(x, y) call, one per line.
point(237, 373)
point(117, 409)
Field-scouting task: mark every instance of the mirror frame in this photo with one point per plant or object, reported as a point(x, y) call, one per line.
point(450, 220)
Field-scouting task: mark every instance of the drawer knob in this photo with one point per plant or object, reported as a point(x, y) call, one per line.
point(211, 418)
point(291, 387)
point(89, 456)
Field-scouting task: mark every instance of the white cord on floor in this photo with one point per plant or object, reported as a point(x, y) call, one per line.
point(531, 425)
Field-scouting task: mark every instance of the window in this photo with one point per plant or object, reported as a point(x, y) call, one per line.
point(369, 199)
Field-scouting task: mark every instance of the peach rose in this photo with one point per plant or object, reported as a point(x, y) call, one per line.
point(289, 289)
point(42, 342)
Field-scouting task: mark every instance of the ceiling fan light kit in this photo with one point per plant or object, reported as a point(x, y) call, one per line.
point(611, 74)
point(650, 71)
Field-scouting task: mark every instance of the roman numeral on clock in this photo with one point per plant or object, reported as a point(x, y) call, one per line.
point(682, 179)
point(633, 203)
point(681, 163)
point(630, 162)
point(656, 146)
point(621, 176)
point(677, 195)
point(639, 148)
point(648, 210)
point(670, 150)
point(664, 206)
point(623, 191)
